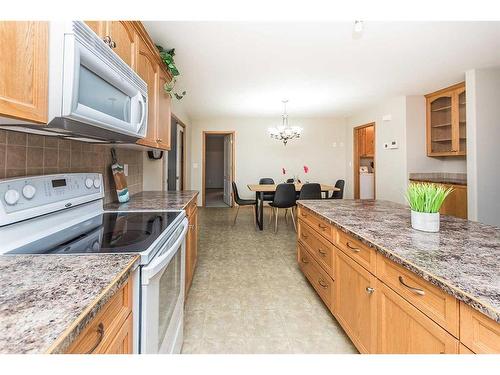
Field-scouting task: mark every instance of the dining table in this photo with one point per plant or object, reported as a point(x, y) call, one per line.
point(260, 189)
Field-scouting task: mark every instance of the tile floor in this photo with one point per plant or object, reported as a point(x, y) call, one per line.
point(249, 296)
point(215, 198)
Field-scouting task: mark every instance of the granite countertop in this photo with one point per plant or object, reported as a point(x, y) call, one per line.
point(155, 200)
point(443, 178)
point(463, 259)
point(47, 300)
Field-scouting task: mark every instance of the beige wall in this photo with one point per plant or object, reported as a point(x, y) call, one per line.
point(257, 155)
point(24, 154)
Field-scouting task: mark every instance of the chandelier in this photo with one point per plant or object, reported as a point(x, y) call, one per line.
point(285, 132)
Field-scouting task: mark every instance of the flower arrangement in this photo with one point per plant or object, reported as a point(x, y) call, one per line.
point(306, 169)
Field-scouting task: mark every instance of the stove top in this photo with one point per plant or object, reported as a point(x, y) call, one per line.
point(109, 232)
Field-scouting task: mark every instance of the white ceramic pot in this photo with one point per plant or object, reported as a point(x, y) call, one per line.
point(426, 222)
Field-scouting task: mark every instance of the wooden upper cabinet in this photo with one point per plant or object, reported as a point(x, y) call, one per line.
point(164, 113)
point(355, 302)
point(446, 123)
point(148, 70)
point(403, 329)
point(24, 70)
point(123, 35)
point(370, 141)
point(98, 27)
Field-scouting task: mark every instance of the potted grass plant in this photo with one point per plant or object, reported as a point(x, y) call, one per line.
point(425, 200)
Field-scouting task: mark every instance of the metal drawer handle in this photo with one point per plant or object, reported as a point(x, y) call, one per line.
point(369, 290)
point(322, 284)
point(322, 252)
point(100, 331)
point(322, 226)
point(355, 249)
point(304, 260)
point(414, 290)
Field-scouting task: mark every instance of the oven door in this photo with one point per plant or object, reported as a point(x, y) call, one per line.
point(162, 299)
point(99, 89)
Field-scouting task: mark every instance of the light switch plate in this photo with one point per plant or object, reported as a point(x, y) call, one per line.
point(393, 145)
point(195, 165)
point(386, 117)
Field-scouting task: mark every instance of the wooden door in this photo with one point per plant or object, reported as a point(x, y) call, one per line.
point(122, 342)
point(123, 35)
point(164, 113)
point(355, 302)
point(24, 70)
point(98, 27)
point(147, 68)
point(403, 329)
point(362, 141)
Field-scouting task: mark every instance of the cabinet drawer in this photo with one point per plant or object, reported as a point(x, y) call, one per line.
point(103, 329)
point(191, 208)
point(319, 279)
point(319, 247)
point(327, 230)
point(358, 251)
point(432, 301)
point(403, 329)
point(478, 332)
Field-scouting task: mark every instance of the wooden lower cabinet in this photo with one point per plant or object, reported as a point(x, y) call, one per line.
point(191, 244)
point(111, 331)
point(478, 332)
point(355, 304)
point(403, 329)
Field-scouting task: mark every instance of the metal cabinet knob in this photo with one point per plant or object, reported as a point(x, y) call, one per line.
point(369, 290)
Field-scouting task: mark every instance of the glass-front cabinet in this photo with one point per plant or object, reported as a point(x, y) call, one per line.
point(446, 122)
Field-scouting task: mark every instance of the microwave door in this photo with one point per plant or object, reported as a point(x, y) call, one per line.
point(95, 92)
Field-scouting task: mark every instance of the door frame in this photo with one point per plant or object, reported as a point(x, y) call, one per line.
point(204, 135)
point(183, 171)
point(356, 158)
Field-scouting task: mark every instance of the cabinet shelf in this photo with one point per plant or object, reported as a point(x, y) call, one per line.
point(442, 140)
point(441, 125)
point(441, 108)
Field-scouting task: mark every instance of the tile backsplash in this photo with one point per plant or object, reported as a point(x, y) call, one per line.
point(23, 154)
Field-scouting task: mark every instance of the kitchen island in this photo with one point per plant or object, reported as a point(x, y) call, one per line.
point(450, 278)
point(47, 301)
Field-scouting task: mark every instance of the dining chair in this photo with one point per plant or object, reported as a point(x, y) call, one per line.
point(243, 202)
point(310, 191)
point(338, 194)
point(284, 197)
point(267, 181)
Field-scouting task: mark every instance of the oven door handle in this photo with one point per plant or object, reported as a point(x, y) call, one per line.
point(158, 263)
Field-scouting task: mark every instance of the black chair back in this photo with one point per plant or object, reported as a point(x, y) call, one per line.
point(310, 191)
point(291, 181)
point(267, 181)
point(339, 194)
point(284, 197)
point(236, 196)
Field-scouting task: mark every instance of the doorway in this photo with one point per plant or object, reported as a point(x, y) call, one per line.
point(176, 156)
point(364, 161)
point(217, 168)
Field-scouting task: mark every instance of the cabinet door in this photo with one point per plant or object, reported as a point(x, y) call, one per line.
point(164, 113)
point(147, 68)
point(439, 125)
point(369, 141)
point(24, 70)
point(122, 33)
point(122, 342)
point(461, 125)
point(98, 27)
point(361, 141)
point(355, 302)
point(403, 329)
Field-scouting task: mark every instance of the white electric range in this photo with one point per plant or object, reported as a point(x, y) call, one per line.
point(63, 214)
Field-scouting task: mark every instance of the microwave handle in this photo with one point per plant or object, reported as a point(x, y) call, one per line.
point(157, 264)
point(143, 111)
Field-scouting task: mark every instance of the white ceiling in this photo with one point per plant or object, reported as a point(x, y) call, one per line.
point(247, 68)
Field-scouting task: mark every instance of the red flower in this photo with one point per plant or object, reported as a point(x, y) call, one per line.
point(306, 169)
point(283, 170)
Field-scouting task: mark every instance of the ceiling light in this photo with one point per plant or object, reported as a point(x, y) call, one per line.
point(285, 132)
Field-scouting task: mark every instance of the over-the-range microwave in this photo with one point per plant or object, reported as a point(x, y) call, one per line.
point(93, 94)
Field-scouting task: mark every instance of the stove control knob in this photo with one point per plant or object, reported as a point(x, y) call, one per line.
point(97, 183)
point(89, 182)
point(11, 197)
point(29, 191)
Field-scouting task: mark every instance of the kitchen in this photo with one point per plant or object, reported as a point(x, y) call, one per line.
point(86, 270)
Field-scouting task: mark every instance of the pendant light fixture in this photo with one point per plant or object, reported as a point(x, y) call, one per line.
point(285, 132)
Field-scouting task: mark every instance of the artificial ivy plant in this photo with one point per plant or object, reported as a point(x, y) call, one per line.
point(167, 57)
